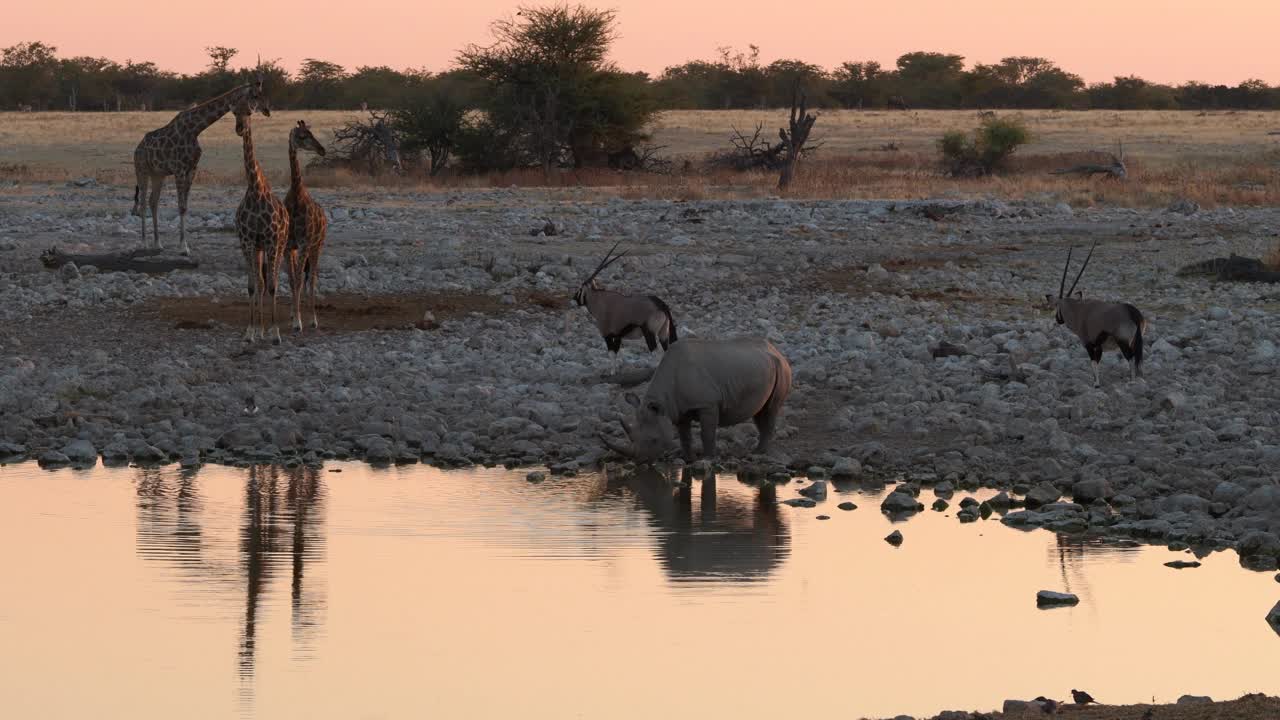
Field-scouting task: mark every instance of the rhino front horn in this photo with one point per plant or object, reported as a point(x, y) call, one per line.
point(623, 451)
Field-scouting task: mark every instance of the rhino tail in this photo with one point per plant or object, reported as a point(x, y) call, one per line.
point(666, 310)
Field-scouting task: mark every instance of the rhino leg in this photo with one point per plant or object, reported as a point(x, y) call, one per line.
point(708, 422)
point(685, 426)
point(766, 420)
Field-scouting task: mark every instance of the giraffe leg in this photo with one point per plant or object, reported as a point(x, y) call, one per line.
point(139, 189)
point(251, 271)
point(313, 273)
point(183, 182)
point(296, 288)
point(263, 277)
point(273, 283)
point(139, 203)
point(154, 200)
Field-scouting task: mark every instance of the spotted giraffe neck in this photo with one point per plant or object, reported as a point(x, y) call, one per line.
point(200, 117)
point(295, 169)
point(252, 170)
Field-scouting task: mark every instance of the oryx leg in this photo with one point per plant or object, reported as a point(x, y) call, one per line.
point(708, 423)
point(1126, 349)
point(614, 344)
point(650, 339)
point(1095, 357)
point(1136, 345)
point(685, 428)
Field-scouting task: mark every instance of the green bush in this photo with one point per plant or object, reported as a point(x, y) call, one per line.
point(429, 122)
point(484, 146)
point(551, 99)
point(986, 150)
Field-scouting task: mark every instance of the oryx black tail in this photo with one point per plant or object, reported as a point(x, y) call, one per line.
point(671, 322)
point(1138, 322)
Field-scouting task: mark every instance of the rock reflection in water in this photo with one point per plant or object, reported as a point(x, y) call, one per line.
point(731, 540)
point(281, 524)
point(405, 592)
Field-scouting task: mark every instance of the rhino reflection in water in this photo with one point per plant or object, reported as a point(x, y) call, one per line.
point(731, 538)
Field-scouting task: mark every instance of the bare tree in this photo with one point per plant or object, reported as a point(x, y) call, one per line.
point(367, 146)
point(749, 153)
point(795, 136)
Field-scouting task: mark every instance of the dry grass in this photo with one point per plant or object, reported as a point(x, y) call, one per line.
point(1213, 158)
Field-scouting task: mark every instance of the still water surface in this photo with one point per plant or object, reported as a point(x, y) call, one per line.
point(413, 592)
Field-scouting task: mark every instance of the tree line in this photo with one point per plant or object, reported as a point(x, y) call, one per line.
point(33, 75)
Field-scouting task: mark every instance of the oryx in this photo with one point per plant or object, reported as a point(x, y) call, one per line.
point(621, 316)
point(1100, 325)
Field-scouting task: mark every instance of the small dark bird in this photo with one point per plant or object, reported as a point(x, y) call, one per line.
point(1082, 698)
point(250, 407)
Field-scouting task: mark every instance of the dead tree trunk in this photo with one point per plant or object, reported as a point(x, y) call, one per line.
point(143, 260)
point(796, 136)
point(1116, 169)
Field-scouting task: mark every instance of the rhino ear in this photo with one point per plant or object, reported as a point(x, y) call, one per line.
point(632, 400)
point(1079, 294)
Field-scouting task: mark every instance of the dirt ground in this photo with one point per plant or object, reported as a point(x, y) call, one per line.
point(343, 312)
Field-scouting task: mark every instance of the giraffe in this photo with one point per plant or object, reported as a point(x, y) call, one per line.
point(307, 226)
point(175, 150)
point(262, 222)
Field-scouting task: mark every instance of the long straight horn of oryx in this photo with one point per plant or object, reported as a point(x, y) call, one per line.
point(1082, 267)
point(1062, 285)
point(609, 259)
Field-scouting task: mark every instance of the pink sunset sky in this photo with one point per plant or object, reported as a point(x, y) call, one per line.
point(1225, 41)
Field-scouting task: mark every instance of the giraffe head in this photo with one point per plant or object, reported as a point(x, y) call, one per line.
point(301, 137)
point(242, 112)
point(257, 97)
point(253, 100)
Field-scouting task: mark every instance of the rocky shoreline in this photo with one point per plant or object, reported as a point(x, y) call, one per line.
point(1188, 707)
point(447, 338)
